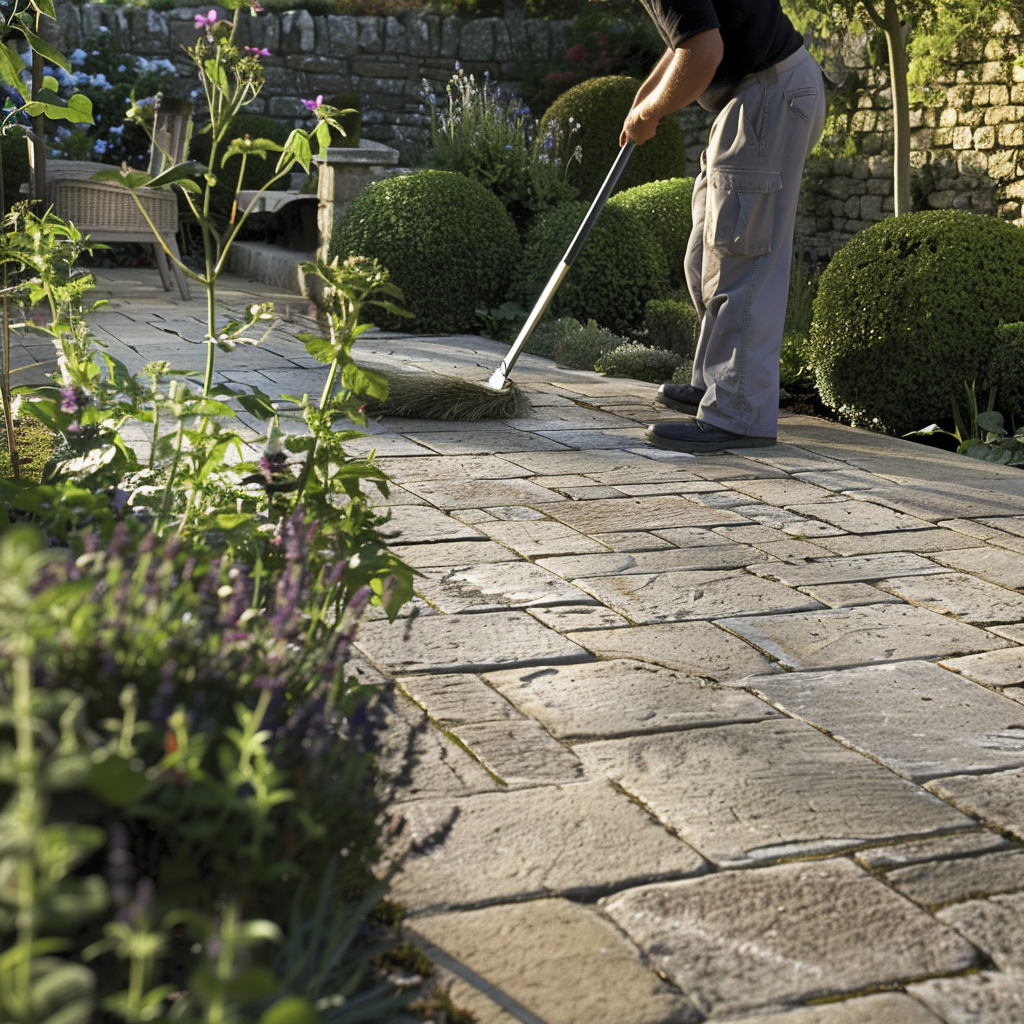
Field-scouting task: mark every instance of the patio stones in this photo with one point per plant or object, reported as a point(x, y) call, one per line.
point(656, 513)
point(452, 553)
point(842, 637)
point(717, 556)
point(993, 925)
point(436, 468)
point(990, 996)
point(552, 961)
point(494, 586)
point(413, 524)
point(570, 618)
point(458, 699)
point(743, 794)
point(853, 516)
point(621, 698)
point(997, 799)
point(882, 1008)
point(920, 720)
point(482, 441)
point(953, 881)
point(962, 596)
point(520, 752)
point(695, 648)
point(784, 492)
point(898, 855)
point(536, 538)
point(548, 841)
point(996, 565)
point(684, 594)
point(847, 570)
point(465, 643)
point(847, 595)
point(906, 540)
point(995, 668)
point(452, 494)
point(822, 929)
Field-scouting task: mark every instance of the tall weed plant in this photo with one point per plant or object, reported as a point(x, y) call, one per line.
point(494, 140)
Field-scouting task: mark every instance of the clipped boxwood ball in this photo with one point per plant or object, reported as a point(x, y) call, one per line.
point(600, 105)
point(905, 314)
point(447, 241)
point(1006, 374)
point(664, 209)
point(620, 268)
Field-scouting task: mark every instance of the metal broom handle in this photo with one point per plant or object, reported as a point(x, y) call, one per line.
point(499, 378)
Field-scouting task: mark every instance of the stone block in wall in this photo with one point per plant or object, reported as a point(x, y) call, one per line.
point(1017, 93)
point(477, 39)
point(948, 117)
point(963, 137)
point(852, 207)
point(260, 33)
point(1002, 165)
point(298, 32)
point(922, 138)
point(852, 227)
point(878, 187)
point(998, 96)
point(371, 34)
point(837, 208)
point(538, 43)
point(942, 200)
point(871, 208)
point(943, 137)
point(984, 137)
point(502, 40)
point(861, 169)
point(863, 121)
point(869, 145)
point(995, 49)
point(889, 204)
point(993, 71)
point(343, 32)
point(1004, 115)
point(962, 202)
point(395, 41)
point(972, 162)
point(971, 118)
point(880, 167)
point(1009, 211)
point(424, 33)
point(451, 33)
point(316, 67)
point(1015, 190)
point(1010, 135)
point(148, 31)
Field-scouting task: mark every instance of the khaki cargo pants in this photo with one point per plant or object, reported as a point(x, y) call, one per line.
point(740, 249)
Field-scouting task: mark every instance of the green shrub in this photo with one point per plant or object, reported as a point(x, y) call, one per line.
point(352, 121)
point(447, 241)
point(641, 362)
point(672, 324)
point(14, 157)
point(663, 207)
point(257, 172)
point(1006, 371)
point(905, 314)
point(570, 343)
point(618, 271)
point(600, 106)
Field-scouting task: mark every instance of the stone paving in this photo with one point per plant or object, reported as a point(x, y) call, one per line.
point(736, 737)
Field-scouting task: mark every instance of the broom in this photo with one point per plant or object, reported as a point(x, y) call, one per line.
point(421, 395)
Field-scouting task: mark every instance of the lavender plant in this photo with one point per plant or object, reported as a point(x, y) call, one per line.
point(494, 140)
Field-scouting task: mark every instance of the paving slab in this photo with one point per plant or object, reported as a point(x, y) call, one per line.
point(743, 794)
point(436, 468)
point(567, 619)
point(920, 720)
point(964, 597)
point(627, 540)
point(465, 643)
point(905, 540)
point(695, 648)
point(520, 752)
point(953, 881)
point(482, 441)
point(993, 564)
point(995, 668)
point(856, 568)
point(1008, 524)
point(783, 492)
point(494, 586)
point(656, 513)
point(510, 513)
point(717, 556)
point(748, 939)
point(622, 698)
point(900, 855)
point(692, 594)
point(413, 524)
point(855, 516)
point(994, 925)
point(987, 998)
point(546, 841)
point(847, 595)
point(452, 494)
point(979, 531)
point(458, 699)
point(553, 463)
point(452, 553)
point(551, 961)
point(588, 440)
point(998, 799)
point(539, 537)
point(842, 637)
point(882, 1008)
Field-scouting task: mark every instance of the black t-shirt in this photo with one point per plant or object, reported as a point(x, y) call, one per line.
point(755, 34)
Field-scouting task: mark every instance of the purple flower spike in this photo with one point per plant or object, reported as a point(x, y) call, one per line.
point(313, 104)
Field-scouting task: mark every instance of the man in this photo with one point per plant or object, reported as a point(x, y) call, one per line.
point(743, 60)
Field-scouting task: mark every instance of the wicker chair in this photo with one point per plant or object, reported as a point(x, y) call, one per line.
point(108, 213)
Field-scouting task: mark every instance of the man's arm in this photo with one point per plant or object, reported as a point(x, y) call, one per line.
point(687, 72)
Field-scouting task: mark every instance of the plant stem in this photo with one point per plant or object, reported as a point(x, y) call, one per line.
point(28, 806)
point(5, 388)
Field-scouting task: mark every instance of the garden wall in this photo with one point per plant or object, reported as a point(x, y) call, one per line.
point(382, 60)
point(967, 151)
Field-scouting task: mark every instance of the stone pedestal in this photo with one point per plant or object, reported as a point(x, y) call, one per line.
point(343, 175)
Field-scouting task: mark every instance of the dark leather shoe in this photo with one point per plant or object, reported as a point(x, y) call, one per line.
point(697, 437)
point(682, 397)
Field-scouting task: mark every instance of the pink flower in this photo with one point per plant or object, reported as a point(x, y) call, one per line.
point(257, 51)
point(313, 104)
point(256, 7)
point(206, 20)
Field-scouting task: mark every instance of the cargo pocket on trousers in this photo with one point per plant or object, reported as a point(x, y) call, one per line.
point(741, 211)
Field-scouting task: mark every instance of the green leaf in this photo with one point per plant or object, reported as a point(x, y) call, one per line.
point(184, 171)
point(74, 902)
point(364, 382)
point(291, 1010)
point(318, 348)
point(258, 404)
point(130, 179)
point(296, 150)
point(46, 8)
point(251, 147)
point(231, 520)
point(43, 48)
point(992, 422)
point(11, 68)
point(117, 782)
point(323, 137)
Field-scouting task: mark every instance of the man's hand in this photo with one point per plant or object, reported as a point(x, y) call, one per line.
point(637, 127)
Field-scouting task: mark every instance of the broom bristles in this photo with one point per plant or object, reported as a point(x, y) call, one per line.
point(433, 396)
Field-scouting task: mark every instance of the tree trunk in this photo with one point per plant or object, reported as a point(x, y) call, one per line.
point(895, 36)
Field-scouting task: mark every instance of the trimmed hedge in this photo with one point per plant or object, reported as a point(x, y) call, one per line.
point(447, 241)
point(672, 324)
point(664, 209)
point(1006, 372)
point(620, 268)
point(905, 314)
point(641, 362)
point(600, 105)
point(14, 153)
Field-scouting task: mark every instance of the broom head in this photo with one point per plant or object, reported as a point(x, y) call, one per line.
point(419, 394)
